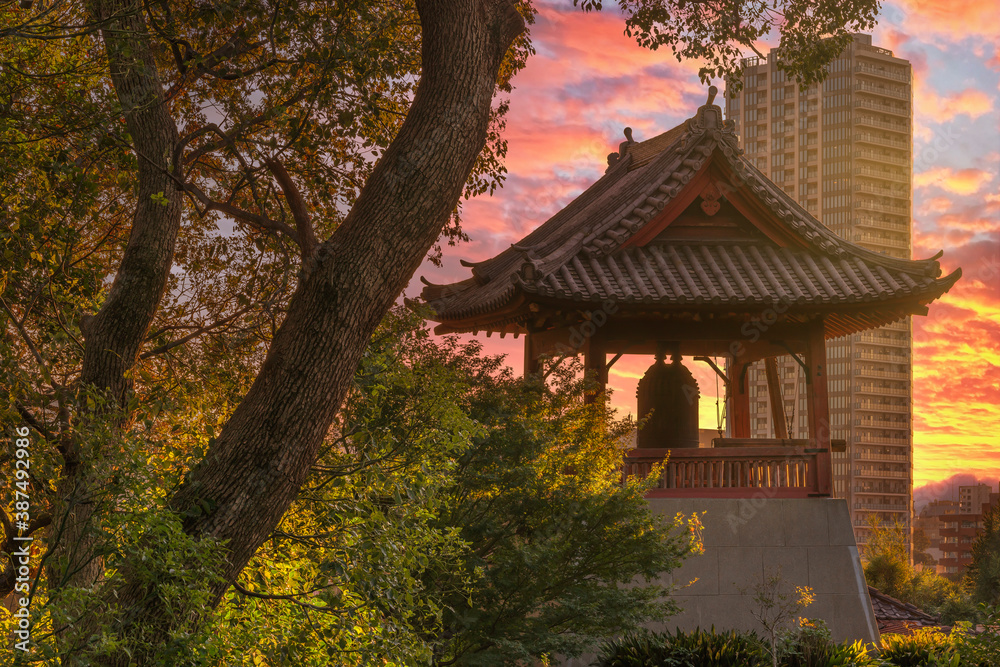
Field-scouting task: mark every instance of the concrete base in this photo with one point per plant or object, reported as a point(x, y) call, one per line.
point(809, 540)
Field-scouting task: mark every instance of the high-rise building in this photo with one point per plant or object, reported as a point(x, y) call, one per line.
point(844, 150)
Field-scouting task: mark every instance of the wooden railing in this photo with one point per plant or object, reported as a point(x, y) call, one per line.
point(732, 472)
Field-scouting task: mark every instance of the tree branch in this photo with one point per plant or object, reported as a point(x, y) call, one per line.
point(307, 237)
point(194, 334)
point(261, 221)
point(33, 422)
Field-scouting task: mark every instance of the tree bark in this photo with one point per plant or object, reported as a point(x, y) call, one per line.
point(253, 471)
point(113, 336)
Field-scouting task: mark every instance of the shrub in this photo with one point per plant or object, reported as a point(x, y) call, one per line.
point(810, 645)
point(925, 647)
point(981, 649)
point(699, 648)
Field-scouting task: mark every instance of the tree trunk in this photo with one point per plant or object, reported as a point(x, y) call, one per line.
point(113, 336)
point(253, 471)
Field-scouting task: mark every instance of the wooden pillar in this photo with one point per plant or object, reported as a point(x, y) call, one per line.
point(774, 397)
point(739, 392)
point(530, 356)
point(595, 359)
point(818, 403)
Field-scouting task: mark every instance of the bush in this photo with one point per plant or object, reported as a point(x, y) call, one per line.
point(982, 649)
point(699, 648)
point(925, 647)
point(810, 645)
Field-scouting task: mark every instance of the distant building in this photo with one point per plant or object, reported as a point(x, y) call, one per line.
point(972, 498)
point(844, 150)
point(952, 533)
point(940, 507)
point(958, 532)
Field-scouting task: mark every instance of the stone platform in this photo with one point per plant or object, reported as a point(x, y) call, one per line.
point(809, 539)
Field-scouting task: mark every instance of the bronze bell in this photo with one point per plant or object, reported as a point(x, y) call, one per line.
point(671, 392)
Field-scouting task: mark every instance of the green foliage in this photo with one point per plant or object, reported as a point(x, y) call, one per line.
point(887, 568)
point(699, 648)
point(457, 516)
point(810, 645)
point(923, 647)
point(980, 648)
point(812, 32)
point(983, 574)
point(774, 603)
point(887, 561)
point(890, 575)
point(140, 537)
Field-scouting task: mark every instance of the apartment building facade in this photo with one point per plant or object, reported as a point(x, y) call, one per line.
point(843, 148)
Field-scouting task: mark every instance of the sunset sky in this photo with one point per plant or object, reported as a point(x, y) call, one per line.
point(588, 81)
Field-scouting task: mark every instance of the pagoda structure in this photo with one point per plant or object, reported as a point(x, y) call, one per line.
point(684, 249)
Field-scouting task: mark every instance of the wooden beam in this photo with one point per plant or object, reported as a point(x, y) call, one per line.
point(775, 398)
point(595, 360)
point(740, 395)
point(818, 403)
point(530, 356)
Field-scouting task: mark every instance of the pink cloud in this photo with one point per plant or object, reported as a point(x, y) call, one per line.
point(947, 19)
point(971, 102)
point(961, 181)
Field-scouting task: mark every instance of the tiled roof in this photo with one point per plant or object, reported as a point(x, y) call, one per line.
point(723, 274)
point(644, 151)
point(897, 617)
point(583, 253)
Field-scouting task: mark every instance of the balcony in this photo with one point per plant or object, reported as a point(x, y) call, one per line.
point(861, 48)
point(892, 73)
point(875, 406)
point(886, 91)
point(895, 109)
point(884, 174)
point(875, 492)
point(883, 423)
point(872, 205)
point(879, 240)
point(870, 472)
point(866, 388)
point(881, 440)
point(882, 356)
point(882, 507)
point(872, 373)
point(891, 125)
point(868, 137)
point(882, 156)
point(901, 458)
point(882, 191)
point(882, 223)
point(882, 339)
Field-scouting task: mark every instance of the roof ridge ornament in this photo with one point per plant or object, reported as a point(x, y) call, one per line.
point(708, 120)
point(615, 158)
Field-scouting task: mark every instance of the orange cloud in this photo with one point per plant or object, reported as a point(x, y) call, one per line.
point(935, 205)
point(951, 19)
point(962, 181)
point(939, 108)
